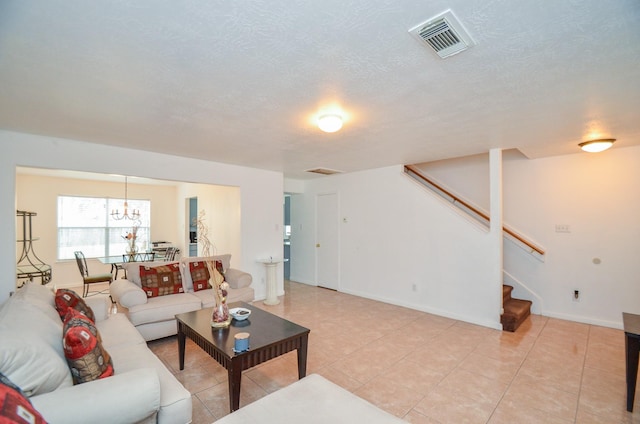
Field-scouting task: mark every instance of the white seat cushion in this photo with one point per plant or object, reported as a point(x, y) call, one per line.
point(163, 308)
point(117, 331)
point(312, 400)
point(175, 400)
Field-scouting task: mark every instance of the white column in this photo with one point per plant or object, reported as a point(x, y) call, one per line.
point(495, 230)
point(272, 294)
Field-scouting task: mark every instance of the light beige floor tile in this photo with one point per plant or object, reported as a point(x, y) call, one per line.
point(543, 397)
point(605, 404)
point(495, 369)
point(449, 407)
point(216, 398)
point(340, 378)
point(413, 376)
point(551, 374)
point(606, 357)
point(503, 351)
point(606, 336)
point(200, 415)
point(390, 395)
point(509, 413)
point(196, 379)
point(414, 417)
point(474, 386)
point(274, 374)
point(603, 381)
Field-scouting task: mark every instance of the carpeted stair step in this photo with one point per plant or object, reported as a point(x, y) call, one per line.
point(506, 293)
point(515, 312)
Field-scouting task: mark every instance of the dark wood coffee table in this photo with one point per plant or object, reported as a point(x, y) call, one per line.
point(271, 336)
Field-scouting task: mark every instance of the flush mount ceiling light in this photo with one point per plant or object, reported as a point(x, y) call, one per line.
point(595, 146)
point(330, 123)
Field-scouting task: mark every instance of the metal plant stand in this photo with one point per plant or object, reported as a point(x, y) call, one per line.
point(29, 265)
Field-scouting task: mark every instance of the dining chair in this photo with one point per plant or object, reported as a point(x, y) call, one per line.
point(171, 253)
point(88, 279)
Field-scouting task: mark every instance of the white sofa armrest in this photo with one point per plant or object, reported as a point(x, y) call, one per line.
point(123, 398)
point(237, 279)
point(100, 306)
point(127, 293)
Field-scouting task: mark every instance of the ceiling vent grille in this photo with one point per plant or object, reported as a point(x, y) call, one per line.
point(324, 171)
point(444, 34)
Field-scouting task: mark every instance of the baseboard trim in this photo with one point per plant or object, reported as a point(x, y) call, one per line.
point(585, 320)
point(458, 317)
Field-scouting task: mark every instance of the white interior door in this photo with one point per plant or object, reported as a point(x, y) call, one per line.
point(327, 241)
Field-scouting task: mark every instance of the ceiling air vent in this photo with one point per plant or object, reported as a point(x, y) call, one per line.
point(444, 34)
point(323, 171)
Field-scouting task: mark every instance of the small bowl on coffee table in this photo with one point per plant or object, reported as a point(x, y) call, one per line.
point(240, 314)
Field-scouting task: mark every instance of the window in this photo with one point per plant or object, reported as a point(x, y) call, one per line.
point(85, 223)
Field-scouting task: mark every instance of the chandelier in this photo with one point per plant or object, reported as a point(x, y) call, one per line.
point(135, 213)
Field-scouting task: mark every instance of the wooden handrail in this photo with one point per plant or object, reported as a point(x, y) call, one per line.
point(415, 171)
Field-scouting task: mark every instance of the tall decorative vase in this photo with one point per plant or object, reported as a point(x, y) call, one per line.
point(221, 317)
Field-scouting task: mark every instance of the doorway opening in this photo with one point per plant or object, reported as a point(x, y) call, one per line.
point(192, 205)
point(287, 236)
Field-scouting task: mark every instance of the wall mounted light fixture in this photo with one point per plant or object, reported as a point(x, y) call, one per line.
point(330, 123)
point(595, 146)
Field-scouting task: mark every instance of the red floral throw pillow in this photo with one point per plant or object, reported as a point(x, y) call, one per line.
point(200, 275)
point(15, 407)
point(66, 299)
point(161, 280)
point(82, 345)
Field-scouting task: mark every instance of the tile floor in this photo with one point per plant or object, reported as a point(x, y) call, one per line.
point(429, 369)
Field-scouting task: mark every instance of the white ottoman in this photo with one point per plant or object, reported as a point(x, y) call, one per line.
point(313, 399)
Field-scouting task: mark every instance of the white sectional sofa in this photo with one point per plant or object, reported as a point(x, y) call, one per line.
point(142, 389)
point(155, 317)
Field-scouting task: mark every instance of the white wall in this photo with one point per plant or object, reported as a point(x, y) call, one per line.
point(598, 196)
point(397, 235)
point(260, 192)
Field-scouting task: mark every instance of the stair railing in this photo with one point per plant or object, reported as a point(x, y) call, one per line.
point(478, 214)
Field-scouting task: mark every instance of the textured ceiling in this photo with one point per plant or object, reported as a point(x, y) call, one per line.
point(241, 81)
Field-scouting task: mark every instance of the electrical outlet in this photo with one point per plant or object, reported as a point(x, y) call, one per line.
point(414, 287)
point(562, 228)
point(576, 295)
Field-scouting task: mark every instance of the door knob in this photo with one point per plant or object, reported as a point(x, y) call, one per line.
point(317, 244)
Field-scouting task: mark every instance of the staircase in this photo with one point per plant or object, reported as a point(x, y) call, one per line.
point(515, 310)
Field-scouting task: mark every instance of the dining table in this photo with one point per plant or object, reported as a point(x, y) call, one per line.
point(117, 260)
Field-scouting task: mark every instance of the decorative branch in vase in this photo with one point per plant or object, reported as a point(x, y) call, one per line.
point(131, 237)
point(220, 317)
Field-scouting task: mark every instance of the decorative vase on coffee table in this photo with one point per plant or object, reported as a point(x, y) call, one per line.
point(221, 317)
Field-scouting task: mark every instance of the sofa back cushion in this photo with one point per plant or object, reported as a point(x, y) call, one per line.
point(31, 354)
point(161, 280)
point(39, 296)
point(225, 260)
